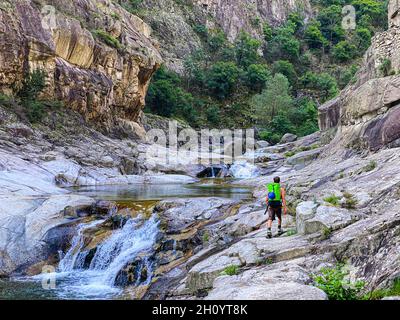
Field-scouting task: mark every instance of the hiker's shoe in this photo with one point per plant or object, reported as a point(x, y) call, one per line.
point(280, 232)
point(269, 234)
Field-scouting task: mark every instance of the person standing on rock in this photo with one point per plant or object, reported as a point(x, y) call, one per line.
point(276, 199)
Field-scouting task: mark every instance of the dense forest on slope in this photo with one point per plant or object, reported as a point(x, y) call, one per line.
point(275, 83)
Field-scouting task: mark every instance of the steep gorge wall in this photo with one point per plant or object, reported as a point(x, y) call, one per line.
point(367, 112)
point(107, 84)
point(174, 21)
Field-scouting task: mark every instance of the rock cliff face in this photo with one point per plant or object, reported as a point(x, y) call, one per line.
point(174, 21)
point(367, 112)
point(97, 57)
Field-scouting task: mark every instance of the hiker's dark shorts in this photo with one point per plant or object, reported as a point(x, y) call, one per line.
point(275, 210)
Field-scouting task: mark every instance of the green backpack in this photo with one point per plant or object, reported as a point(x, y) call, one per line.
point(274, 192)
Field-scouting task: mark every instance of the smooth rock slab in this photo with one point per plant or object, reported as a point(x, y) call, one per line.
point(24, 224)
point(288, 137)
point(311, 218)
point(301, 159)
point(246, 252)
point(282, 281)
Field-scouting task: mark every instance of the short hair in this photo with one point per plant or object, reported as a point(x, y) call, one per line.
point(277, 179)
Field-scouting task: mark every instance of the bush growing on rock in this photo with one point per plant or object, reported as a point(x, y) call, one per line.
point(107, 38)
point(386, 67)
point(370, 166)
point(333, 282)
point(350, 201)
point(379, 294)
point(333, 200)
point(230, 271)
point(32, 86)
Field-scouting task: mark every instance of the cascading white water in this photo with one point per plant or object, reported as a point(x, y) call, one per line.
point(74, 258)
point(123, 246)
point(244, 170)
point(137, 237)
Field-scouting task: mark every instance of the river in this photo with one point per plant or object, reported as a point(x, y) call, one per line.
point(75, 281)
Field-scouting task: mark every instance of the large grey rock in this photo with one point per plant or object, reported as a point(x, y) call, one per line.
point(278, 282)
point(311, 218)
point(288, 137)
point(302, 159)
point(25, 223)
point(262, 144)
point(246, 252)
point(182, 213)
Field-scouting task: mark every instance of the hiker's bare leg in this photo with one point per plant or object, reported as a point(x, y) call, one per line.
point(269, 224)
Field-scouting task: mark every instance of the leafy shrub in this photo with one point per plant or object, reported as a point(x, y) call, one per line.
point(230, 270)
point(323, 83)
point(379, 294)
point(290, 154)
point(206, 237)
point(326, 233)
point(107, 38)
point(222, 78)
point(385, 67)
point(201, 30)
point(332, 282)
point(291, 232)
point(32, 86)
point(314, 36)
point(246, 49)
point(213, 115)
point(350, 201)
point(256, 76)
point(344, 51)
point(370, 166)
point(131, 6)
point(5, 100)
point(333, 200)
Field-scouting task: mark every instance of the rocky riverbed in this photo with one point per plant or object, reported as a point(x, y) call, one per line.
point(121, 237)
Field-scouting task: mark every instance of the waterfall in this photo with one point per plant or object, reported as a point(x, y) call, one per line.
point(244, 170)
point(212, 172)
point(74, 258)
point(123, 246)
point(75, 279)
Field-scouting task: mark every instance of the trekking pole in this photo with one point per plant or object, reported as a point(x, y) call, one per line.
point(266, 209)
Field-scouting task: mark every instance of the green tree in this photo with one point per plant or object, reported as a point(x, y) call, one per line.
point(297, 20)
point(362, 39)
point(304, 117)
point(167, 98)
point(322, 85)
point(256, 76)
point(314, 36)
point(375, 9)
point(331, 19)
point(284, 44)
point(271, 100)
point(246, 49)
point(216, 40)
point(267, 31)
point(344, 51)
point(194, 69)
point(287, 69)
point(222, 78)
point(213, 115)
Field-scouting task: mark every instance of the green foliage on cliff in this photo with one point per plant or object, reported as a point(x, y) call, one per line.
point(378, 294)
point(107, 38)
point(275, 83)
point(333, 281)
point(32, 86)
